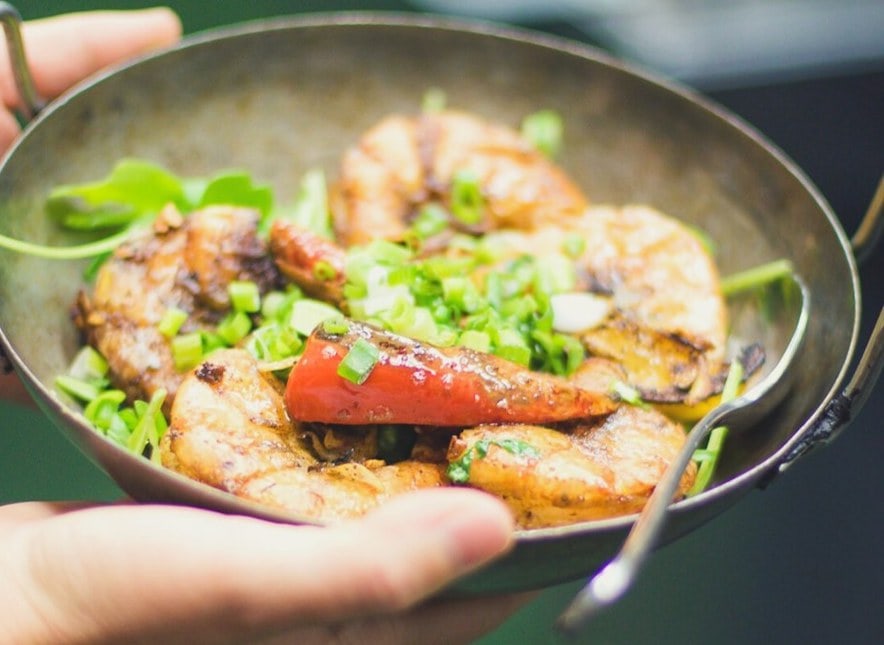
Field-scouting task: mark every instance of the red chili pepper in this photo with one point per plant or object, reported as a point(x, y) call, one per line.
point(414, 383)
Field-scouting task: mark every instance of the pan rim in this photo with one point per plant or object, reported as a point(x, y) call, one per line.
point(517, 35)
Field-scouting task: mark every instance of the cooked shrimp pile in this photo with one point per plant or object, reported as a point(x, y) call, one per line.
point(642, 305)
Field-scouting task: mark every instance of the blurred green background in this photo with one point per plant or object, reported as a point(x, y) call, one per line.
point(800, 562)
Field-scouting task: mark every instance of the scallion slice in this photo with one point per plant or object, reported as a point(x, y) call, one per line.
point(467, 203)
point(187, 350)
point(88, 364)
point(756, 277)
point(543, 130)
point(234, 327)
point(307, 313)
point(358, 363)
point(171, 321)
point(335, 326)
point(244, 296)
point(77, 388)
point(708, 457)
point(430, 220)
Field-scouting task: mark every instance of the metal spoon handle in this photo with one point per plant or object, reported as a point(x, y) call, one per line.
point(609, 584)
point(31, 102)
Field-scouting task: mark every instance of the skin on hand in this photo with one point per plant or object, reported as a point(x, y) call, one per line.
point(130, 573)
point(63, 50)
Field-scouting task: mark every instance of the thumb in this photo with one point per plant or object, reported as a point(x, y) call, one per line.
point(65, 49)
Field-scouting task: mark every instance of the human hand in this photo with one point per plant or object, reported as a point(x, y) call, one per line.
point(128, 573)
point(64, 50)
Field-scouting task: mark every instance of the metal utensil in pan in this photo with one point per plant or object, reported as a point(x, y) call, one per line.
point(284, 96)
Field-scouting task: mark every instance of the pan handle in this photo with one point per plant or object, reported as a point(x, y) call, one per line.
point(30, 101)
point(869, 232)
point(845, 406)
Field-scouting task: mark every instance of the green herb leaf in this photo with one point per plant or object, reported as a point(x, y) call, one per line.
point(311, 209)
point(237, 189)
point(459, 470)
point(133, 188)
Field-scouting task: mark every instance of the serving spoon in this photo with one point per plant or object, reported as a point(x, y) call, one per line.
point(615, 578)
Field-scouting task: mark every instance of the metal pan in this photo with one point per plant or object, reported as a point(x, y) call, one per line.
point(284, 96)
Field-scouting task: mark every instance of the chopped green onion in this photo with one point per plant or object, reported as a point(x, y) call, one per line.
point(628, 394)
point(516, 353)
point(273, 341)
point(358, 363)
point(187, 350)
point(77, 388)
point(434, 100)
point(324, 271)
point(151, 424)
point(336, 326)
point(171, 321)
point(755, 277)
point(467, 203)
point(474, 339)
point(211, 341)
point(709, 457)
point(307, 314)
point(102, 410)
point(574, 245)
point(544, 131)
point(430, 220)
point(234, 327)
point(88, 364)
point(273, 303)
point(244, 296)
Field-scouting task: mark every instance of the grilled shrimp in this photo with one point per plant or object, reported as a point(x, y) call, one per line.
point(664, 318)
point(404, 162)
point(185, 263)
point(229, 429)
point(598, 469)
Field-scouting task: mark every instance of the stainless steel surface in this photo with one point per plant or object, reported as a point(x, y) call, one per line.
point(285, 96)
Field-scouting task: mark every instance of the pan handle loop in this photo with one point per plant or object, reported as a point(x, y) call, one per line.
point(845, 406)
point(866, 237)
point(847, 403)
point(31, 103)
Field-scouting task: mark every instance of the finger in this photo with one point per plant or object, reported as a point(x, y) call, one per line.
point(63, 50)
point(11, 388)
point(15, 516)
point(435, 623)
point(221, 576)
